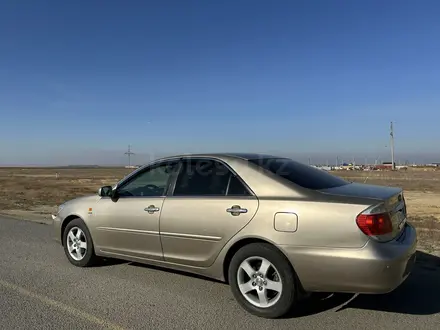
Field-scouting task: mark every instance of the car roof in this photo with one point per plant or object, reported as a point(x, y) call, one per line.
point(223, 155)
point(262, 184)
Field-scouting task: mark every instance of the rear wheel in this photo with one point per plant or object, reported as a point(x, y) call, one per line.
point(78, 244)
point(262, 280)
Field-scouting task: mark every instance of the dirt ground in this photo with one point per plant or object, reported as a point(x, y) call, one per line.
point(33, 193)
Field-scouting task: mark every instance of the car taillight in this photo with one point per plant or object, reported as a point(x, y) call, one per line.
point(374, 224)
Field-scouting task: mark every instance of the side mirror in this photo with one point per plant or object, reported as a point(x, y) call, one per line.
point(106, 191)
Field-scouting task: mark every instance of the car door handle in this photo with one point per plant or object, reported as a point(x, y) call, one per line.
point(236, 210)
point(151, 209)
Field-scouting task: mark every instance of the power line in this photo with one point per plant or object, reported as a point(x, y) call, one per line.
point(129, 153)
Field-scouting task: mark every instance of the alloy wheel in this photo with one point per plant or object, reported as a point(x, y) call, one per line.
point(76, 243)
point(259, 282)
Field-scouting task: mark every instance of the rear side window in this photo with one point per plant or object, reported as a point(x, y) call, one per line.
point(300, 174)
point(207, 178)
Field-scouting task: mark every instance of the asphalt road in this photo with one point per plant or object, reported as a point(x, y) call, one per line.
point(39, 289)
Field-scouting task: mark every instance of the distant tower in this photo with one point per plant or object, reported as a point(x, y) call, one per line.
point(129, 153)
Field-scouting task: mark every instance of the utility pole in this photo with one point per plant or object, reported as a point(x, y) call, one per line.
point(129, 153)
point(392, 146)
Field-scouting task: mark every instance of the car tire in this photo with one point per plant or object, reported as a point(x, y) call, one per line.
point(260, 285)
point(86, 256)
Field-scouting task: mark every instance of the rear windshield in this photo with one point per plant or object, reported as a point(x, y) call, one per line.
point(300, 174)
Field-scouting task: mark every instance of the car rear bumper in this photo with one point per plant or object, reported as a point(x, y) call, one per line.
point(375, 268)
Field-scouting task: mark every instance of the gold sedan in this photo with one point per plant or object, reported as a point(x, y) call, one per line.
point(273, 228)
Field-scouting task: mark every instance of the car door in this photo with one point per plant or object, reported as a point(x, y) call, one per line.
point(208, 206)
point(129, 223)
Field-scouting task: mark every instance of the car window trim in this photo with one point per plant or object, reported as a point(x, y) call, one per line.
point(218, 197)
point(229, 183)
point(144, 169)
point(177, 173)
point(173, 179)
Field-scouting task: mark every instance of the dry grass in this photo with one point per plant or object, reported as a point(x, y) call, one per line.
point(38, 190)
point(410, 180)
point(35, 192)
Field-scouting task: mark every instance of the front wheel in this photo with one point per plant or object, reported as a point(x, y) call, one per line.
point(78, 244)
point(262, 280)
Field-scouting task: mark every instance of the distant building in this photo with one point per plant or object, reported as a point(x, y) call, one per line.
point(389, 164)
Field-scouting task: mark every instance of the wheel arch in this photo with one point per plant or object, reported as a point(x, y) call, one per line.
point(238, 245)
point(249, 240)
point(68, 220)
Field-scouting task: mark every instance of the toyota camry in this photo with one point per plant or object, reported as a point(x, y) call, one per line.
point(273, 228)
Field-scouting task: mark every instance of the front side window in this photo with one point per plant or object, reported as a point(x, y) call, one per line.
point(207, 178)
point(151, 183)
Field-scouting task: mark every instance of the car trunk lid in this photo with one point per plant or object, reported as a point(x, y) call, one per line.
point(387, 204)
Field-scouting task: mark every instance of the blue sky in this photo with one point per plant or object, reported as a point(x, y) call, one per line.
point(80, 80)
